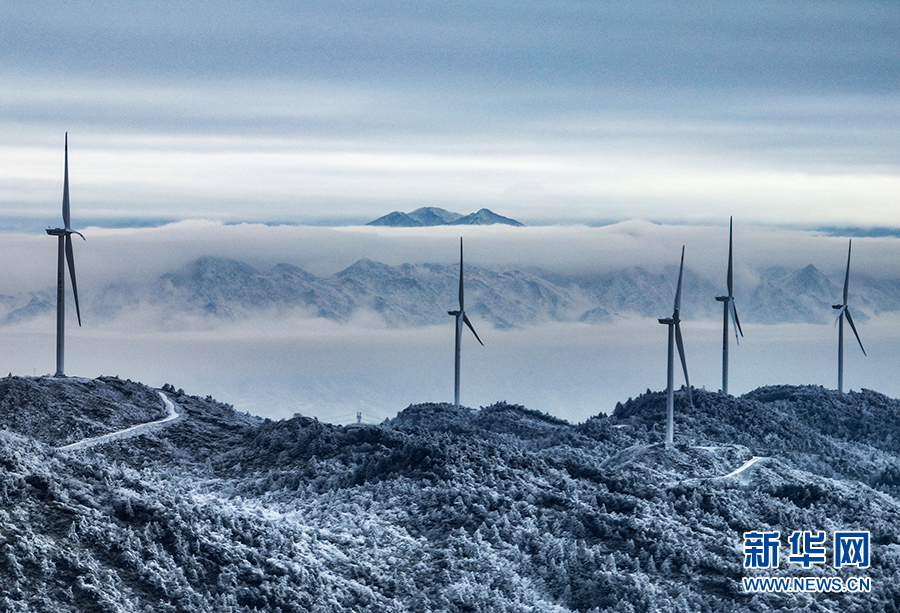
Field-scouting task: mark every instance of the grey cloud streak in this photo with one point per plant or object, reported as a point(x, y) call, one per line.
point(812, 44)
point(184, 65)
point(561, 111)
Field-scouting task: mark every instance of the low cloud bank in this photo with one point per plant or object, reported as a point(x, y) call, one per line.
point(275, 364)
point(145, 252)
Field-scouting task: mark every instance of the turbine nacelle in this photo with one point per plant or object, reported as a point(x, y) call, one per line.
point(844, 311)
point(732, 310)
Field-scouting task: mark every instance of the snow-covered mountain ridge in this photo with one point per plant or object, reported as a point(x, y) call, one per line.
point(420, 294)
point(435, 216)
point(441, 509)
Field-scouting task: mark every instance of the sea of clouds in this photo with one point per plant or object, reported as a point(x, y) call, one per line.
point(277, 364)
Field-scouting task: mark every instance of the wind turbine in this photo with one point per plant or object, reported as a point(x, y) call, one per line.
point(65, 256)
point(674, 323)
point(460, 320)
point(842, 311)
point(730, 310)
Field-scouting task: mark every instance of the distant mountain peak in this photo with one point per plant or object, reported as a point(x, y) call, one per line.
point(396, 219)
point(365, 265)
point(435, 216)
point(485, 217)
point(812, 281)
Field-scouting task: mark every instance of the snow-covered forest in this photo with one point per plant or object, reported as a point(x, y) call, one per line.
point(439, 509)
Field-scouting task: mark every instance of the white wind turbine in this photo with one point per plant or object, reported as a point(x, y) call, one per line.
point(843, 310)
point(460, 320)
point(65, 256)
point(674, 323)
point(730, 311)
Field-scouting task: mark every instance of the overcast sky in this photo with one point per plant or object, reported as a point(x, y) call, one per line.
point(279, 114)
point(339, 112)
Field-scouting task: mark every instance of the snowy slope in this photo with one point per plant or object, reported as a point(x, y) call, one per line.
point(60, 411)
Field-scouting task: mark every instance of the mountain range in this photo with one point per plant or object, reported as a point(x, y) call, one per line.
point(500, 508)
point(434, 216)
point(420, 294)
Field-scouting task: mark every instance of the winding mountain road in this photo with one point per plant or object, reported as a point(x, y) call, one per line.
point(745, 466)
point(129, 432)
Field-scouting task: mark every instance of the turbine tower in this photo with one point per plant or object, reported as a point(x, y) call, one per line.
point(674, 323)
point(843, 310)
point(730, 311)
point(64, 256)
point(460, 320)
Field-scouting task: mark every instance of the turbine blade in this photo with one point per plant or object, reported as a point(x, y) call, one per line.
point(680, 342)
point(853, 327)
point(678, 290)
point(730, 277)
point(70, 260)
point(847, 275)
point(735, 321)
point(461, 293)
point(65, 202)
point(469, 323)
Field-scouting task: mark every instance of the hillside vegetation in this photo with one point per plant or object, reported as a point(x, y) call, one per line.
point(439, 509)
